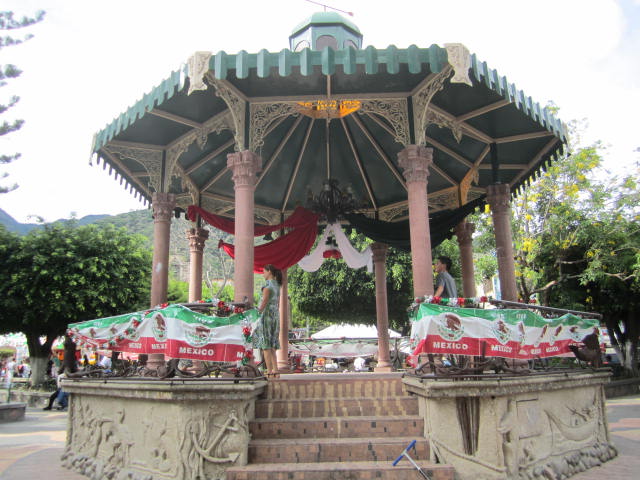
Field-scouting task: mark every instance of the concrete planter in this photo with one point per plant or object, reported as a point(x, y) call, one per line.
point(148, 429)
point(528, 427)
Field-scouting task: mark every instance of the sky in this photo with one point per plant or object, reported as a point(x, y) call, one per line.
point(90, 60)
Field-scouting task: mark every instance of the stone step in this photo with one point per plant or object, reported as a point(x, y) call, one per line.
point(336, 386)
point(331, 427)
point(340, 471)
point(336, 407)
point(334, 450)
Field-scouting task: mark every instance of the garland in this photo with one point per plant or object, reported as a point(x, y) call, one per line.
point(450, 302)
point(221, 309)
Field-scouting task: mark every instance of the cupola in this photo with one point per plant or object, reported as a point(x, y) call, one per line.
point(325, 29)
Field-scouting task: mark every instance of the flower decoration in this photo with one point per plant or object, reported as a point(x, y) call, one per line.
point(332, 253)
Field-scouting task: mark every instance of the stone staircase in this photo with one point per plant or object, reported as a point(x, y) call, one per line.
point(336, 427)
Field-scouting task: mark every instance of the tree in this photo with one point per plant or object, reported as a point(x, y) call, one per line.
point(577, 242)
point(338, 293)
point(7, 22)
point(64, 274)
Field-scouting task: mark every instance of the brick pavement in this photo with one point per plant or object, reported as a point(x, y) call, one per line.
point(34, 446)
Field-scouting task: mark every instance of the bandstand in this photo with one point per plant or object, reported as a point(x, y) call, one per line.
point(420, 137)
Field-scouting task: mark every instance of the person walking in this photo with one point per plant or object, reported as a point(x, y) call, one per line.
point(267, 331)
point(445, 284)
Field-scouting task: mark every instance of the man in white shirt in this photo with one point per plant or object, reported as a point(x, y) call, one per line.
point(105, 362)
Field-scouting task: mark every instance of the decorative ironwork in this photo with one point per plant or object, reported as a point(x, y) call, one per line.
point(328, 108)
point(421, 101)
point(262, 115)
point(395, 111)
point(237, 107)
point(436, 118)
point(151, 160)
point(332, 203)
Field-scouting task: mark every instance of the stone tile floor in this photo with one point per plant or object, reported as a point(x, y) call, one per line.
point(33, 446)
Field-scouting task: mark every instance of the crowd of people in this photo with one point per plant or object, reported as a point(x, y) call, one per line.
point(10, 369)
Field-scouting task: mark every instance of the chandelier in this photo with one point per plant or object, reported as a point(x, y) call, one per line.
point(332, 203)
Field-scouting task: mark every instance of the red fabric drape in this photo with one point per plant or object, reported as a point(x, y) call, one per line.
point(299, 218)
point(284, 251)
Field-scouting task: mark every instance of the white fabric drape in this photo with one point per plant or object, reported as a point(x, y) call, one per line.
point(351, 256)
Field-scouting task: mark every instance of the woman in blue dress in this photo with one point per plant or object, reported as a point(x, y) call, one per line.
point(267, 332)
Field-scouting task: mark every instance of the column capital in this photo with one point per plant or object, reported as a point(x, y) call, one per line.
point(415, 161)
point(499, 197)
point(379, 251)
point(244, 167)
point(197, 237)
point(464, 231)
point(163, 205)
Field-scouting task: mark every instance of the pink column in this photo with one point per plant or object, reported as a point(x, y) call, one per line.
point(415, 161)
point(244, 166)
point(283, 353)
point(464, 232)
point(498, 196)
point(379, 251)
point(162, 205)
point(196, 237)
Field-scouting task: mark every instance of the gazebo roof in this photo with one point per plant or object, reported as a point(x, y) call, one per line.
point(177, 137)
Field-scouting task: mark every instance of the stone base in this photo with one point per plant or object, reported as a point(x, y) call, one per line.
point(527, 427)
point(149, 429)
point(12, 412)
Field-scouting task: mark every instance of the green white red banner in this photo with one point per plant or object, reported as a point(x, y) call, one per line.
point(517, 334)
point(175, 331)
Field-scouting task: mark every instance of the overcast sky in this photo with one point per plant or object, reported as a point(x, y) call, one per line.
point(90, 60)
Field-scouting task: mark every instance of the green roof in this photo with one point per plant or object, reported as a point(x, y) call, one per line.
point(326, 18)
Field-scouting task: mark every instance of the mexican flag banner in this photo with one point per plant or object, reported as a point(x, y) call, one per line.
point(513, 333)
point(175, 331)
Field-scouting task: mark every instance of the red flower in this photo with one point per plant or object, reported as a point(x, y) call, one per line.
point(333, 253)
point(460, 301)
point(246, 331)
point(418, 300)
point(164, 305)
point(135, 323)
point(221, 304)
point(436, 300)
point(483, 299)
point(248, 353)
point(238, 310)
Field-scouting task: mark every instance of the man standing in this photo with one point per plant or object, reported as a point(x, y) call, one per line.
point(445, 284)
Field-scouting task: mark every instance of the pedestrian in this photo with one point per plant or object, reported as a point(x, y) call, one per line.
point(445, 284)
point(267, 331)
point(10, 366)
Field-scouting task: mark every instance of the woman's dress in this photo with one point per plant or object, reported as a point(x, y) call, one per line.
point(266, 333)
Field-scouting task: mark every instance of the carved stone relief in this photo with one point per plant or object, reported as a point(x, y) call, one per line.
point(460, 59)
point(198, 66)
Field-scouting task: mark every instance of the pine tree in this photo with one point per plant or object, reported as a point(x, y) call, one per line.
point(7, 72)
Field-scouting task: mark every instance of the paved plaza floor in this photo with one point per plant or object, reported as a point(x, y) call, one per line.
point(33, 447)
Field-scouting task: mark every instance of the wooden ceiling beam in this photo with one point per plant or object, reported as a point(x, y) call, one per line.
point(296, 168)
point(380, 151)
point(482, 110)
point(175, 118)
point(358, 161)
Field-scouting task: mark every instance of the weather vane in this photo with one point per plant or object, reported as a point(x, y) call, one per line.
point(330, 7)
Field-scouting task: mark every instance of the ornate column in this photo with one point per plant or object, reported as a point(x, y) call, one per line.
point(464, 231)
point(498, 196)
point(283, 353)
point(162, 205)
point(415, 162)
point(244, 166)
point(379, 251)
point(196, 237)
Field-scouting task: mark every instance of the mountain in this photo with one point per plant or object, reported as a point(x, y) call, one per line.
point(140, 222)
point(23, 228)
